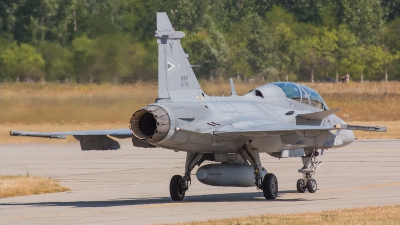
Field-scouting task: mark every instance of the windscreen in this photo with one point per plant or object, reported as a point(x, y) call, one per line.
point(302, 94)
point(315, 99)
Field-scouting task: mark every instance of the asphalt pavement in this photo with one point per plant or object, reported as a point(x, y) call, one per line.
point(130, 185)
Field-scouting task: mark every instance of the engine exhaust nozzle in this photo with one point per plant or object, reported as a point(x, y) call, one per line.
point(151, 123)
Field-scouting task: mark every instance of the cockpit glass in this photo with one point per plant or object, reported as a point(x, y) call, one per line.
point(291, 90)
point(302, 94)
point(315, 99)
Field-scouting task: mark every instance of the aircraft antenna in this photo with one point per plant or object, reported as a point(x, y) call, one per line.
point(233, 91)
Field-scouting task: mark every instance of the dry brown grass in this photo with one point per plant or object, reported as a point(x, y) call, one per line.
point(392, 133)
point(106, 103)
point(58, 107)
point(368, 101)
point(60, 104)
point(11, 186)
point(367, 215)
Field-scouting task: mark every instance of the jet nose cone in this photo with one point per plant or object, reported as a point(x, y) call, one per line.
point(347, 137)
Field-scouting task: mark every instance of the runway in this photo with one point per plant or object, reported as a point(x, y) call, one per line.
point(130, 185)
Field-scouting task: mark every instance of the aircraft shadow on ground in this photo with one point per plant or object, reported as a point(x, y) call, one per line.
point(229, 197)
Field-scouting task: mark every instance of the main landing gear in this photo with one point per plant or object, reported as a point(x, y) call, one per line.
point(270, 186)
point(267, 182)
point(178, 184)
point(310, 166)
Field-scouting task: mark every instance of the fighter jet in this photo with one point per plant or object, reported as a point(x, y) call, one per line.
point(281, 119)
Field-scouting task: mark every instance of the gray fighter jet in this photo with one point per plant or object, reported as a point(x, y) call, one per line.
point(281, 119)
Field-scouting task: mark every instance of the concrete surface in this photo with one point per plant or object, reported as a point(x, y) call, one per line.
point(130, 186)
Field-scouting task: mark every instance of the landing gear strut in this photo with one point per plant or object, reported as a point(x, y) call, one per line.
point(268, 183)
point(178, 184)
point(310, 166)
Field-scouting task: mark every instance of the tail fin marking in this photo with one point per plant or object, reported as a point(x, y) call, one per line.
point(176, 79)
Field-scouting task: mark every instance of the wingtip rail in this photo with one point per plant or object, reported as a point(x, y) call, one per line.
point(38, 134)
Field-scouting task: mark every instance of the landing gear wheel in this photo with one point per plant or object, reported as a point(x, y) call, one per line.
point(312, 186)
point(301, 186)
point(270, 186)
point(176, 188)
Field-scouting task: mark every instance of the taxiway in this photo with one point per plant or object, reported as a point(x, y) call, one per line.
point(130, 185)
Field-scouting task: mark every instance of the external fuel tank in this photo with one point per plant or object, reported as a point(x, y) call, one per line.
point(226, 174)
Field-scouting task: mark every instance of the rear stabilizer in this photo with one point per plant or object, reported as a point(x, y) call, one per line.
point(176, 79)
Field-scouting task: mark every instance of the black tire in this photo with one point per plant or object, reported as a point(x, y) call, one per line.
point(312, 186)
point(270, 186)
point(301, 186)
point(175, 188)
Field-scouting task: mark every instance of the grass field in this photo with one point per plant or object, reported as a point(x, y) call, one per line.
point(59, 103)
point(366, 215)
point(52, 106)
point(11, 186)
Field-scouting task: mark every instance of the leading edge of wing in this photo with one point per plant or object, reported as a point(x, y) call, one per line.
point(120, 133)
point(263, 129)
point(320, 115)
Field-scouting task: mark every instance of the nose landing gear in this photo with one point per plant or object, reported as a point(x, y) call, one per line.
point(301, 186)
point(310, 166)
point(308, 184)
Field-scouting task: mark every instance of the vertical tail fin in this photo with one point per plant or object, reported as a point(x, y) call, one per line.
point(176, 79)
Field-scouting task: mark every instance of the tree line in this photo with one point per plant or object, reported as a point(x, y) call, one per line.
point(88, 41)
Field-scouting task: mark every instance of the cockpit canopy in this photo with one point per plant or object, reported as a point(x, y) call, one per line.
point(302, 94)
